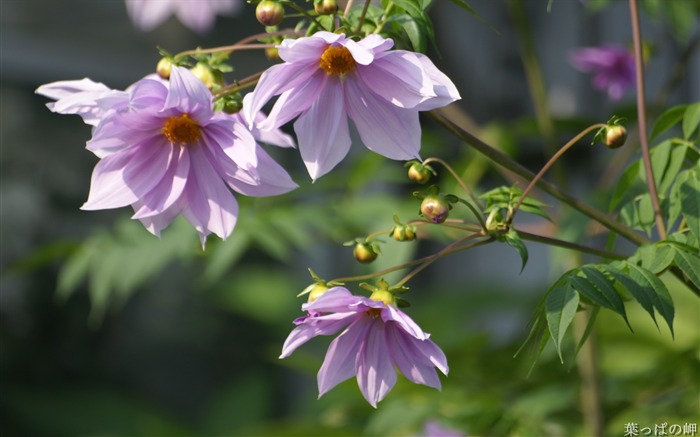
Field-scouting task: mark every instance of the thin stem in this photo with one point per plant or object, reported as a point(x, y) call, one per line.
point(549, 163)
point(348, 6)
point(505, 161)
point(459, 180)
point(245, 83)
point(565, 244)
point(475, 212)
point(362, 17)
point(304, 13)
point(382, 20)
point(588, 357)
point(642, 120)
point(406, 265)
point(445, 251)
point(238, 45)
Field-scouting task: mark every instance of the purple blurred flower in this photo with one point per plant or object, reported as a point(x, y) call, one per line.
point(327, 78)
point(198, 15)
point(612, 68)
point(434, 429)
point(165, 152)
point(377, 337)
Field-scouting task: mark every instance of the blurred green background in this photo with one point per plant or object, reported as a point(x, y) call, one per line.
point(107, 331)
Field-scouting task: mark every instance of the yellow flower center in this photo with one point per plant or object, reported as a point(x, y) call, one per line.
point(337, 61)
point(181, 130)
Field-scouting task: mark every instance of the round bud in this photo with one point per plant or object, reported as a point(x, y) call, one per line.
point(273, 54)
point(163, 68)
point(325, 7)
point(316, 292)
point(403, 233)
point(615, 136)
point(364, 253)
point(435, 209)
point(419, 173)
point(233, 106)
point(269, 13)
point(205, 74)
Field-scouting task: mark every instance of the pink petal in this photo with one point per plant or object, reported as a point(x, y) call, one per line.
point(312, 326)
point(189, 95)
point(306, 50)
point(446, 91)
point(375, 371)
point(148, 14)
point(405, 351)
point(170, 188)
point(295, 101)
point(322, 131)
point(391, 313)
point(211, 207)
point(339, 363)
point(155, 224)
point(376, 43)
point(335, 299)
point(384, 128)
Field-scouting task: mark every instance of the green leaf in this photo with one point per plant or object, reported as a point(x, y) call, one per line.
point(561, 305)
point(514, 241)
point(629, 187)
point(412, 7)
point(415, 33)
point(689, 192)
point(646, 296)
point(691, 120)
point(654, 288)
point(667, 120)
point(689, 263)
point(599, 289)
point(73, 272)
point(655, 257)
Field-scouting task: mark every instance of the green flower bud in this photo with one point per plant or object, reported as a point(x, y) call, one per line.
point(269, 13)
point(364, 252)
point(325, 7)
point(317, 291)
point(205, 74)
point(273, 54)
point(163, 68)
point(403, 232)
point(615, 136)
point(435, 208)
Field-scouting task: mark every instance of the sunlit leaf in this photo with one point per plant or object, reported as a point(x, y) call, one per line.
point(599, 289)
point(561, 305)
point(691, 120)
point(667, 120)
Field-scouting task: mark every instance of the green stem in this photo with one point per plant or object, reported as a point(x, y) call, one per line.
point(382, 20)
point(454, 174)
point(362, 17)
point(506, 162)
point(549, 163)
point(475, 212)
point(567, 245)
point(245, 83)
point(304, 13)
point(642, 120)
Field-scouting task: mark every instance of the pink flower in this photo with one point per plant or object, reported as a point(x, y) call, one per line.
point(612, 68)
point(434, 429)
point(198, 15)
point(165, 152)
point(328, 78)
point(376, 338)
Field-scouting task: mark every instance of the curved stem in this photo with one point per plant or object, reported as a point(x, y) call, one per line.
point(454, 174)
point(238, 45)
point(348, 6)
point(445, 251)
point(565, 244)
point(415, 262)
point(239, 85)
point(475, 212)
point(549, 163)
point(505, 161)
point(642, 120)
point(362, 17)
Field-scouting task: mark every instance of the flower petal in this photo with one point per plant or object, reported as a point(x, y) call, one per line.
point(210, 205)
point(314, 325)
point(375, 371)
point(295, 101)
point(306, 50)
point(384, 128)
point(339, 363)
point(156, 223)
point(188, 95)
point(170, 188)
point(335, 299)
point(91, 100)
point(444, 89)
point(322, 131)
point(147, 14)
point(391, 313)
point(406, 353)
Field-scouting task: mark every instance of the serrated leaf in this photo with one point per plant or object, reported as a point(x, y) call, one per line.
point(654, 286)
point(689, 192)
point(689, 263)
point(514, 241)
point(667, 120)
point(646, 296)
point(691, 120)
point(599, 290)
point(560, 305)
point(655, 257)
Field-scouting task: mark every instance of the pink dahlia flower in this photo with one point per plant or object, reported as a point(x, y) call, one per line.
point(327, 78)
point(612, 68)
point(198, 15)
point(165, 152)
point(376, 338)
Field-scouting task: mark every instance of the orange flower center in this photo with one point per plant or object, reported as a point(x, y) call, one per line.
point(181, 130)
point(337, 61)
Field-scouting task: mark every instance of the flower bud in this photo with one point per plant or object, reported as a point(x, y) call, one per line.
point(435, 208)
point(205, 74)
point(364, 253)
point(317, 291)
point(163, 68)
point(403, 232)
point(325, 7)
point(273, 54)
point(269, 13)
point(419, 173)
point(615, 136)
